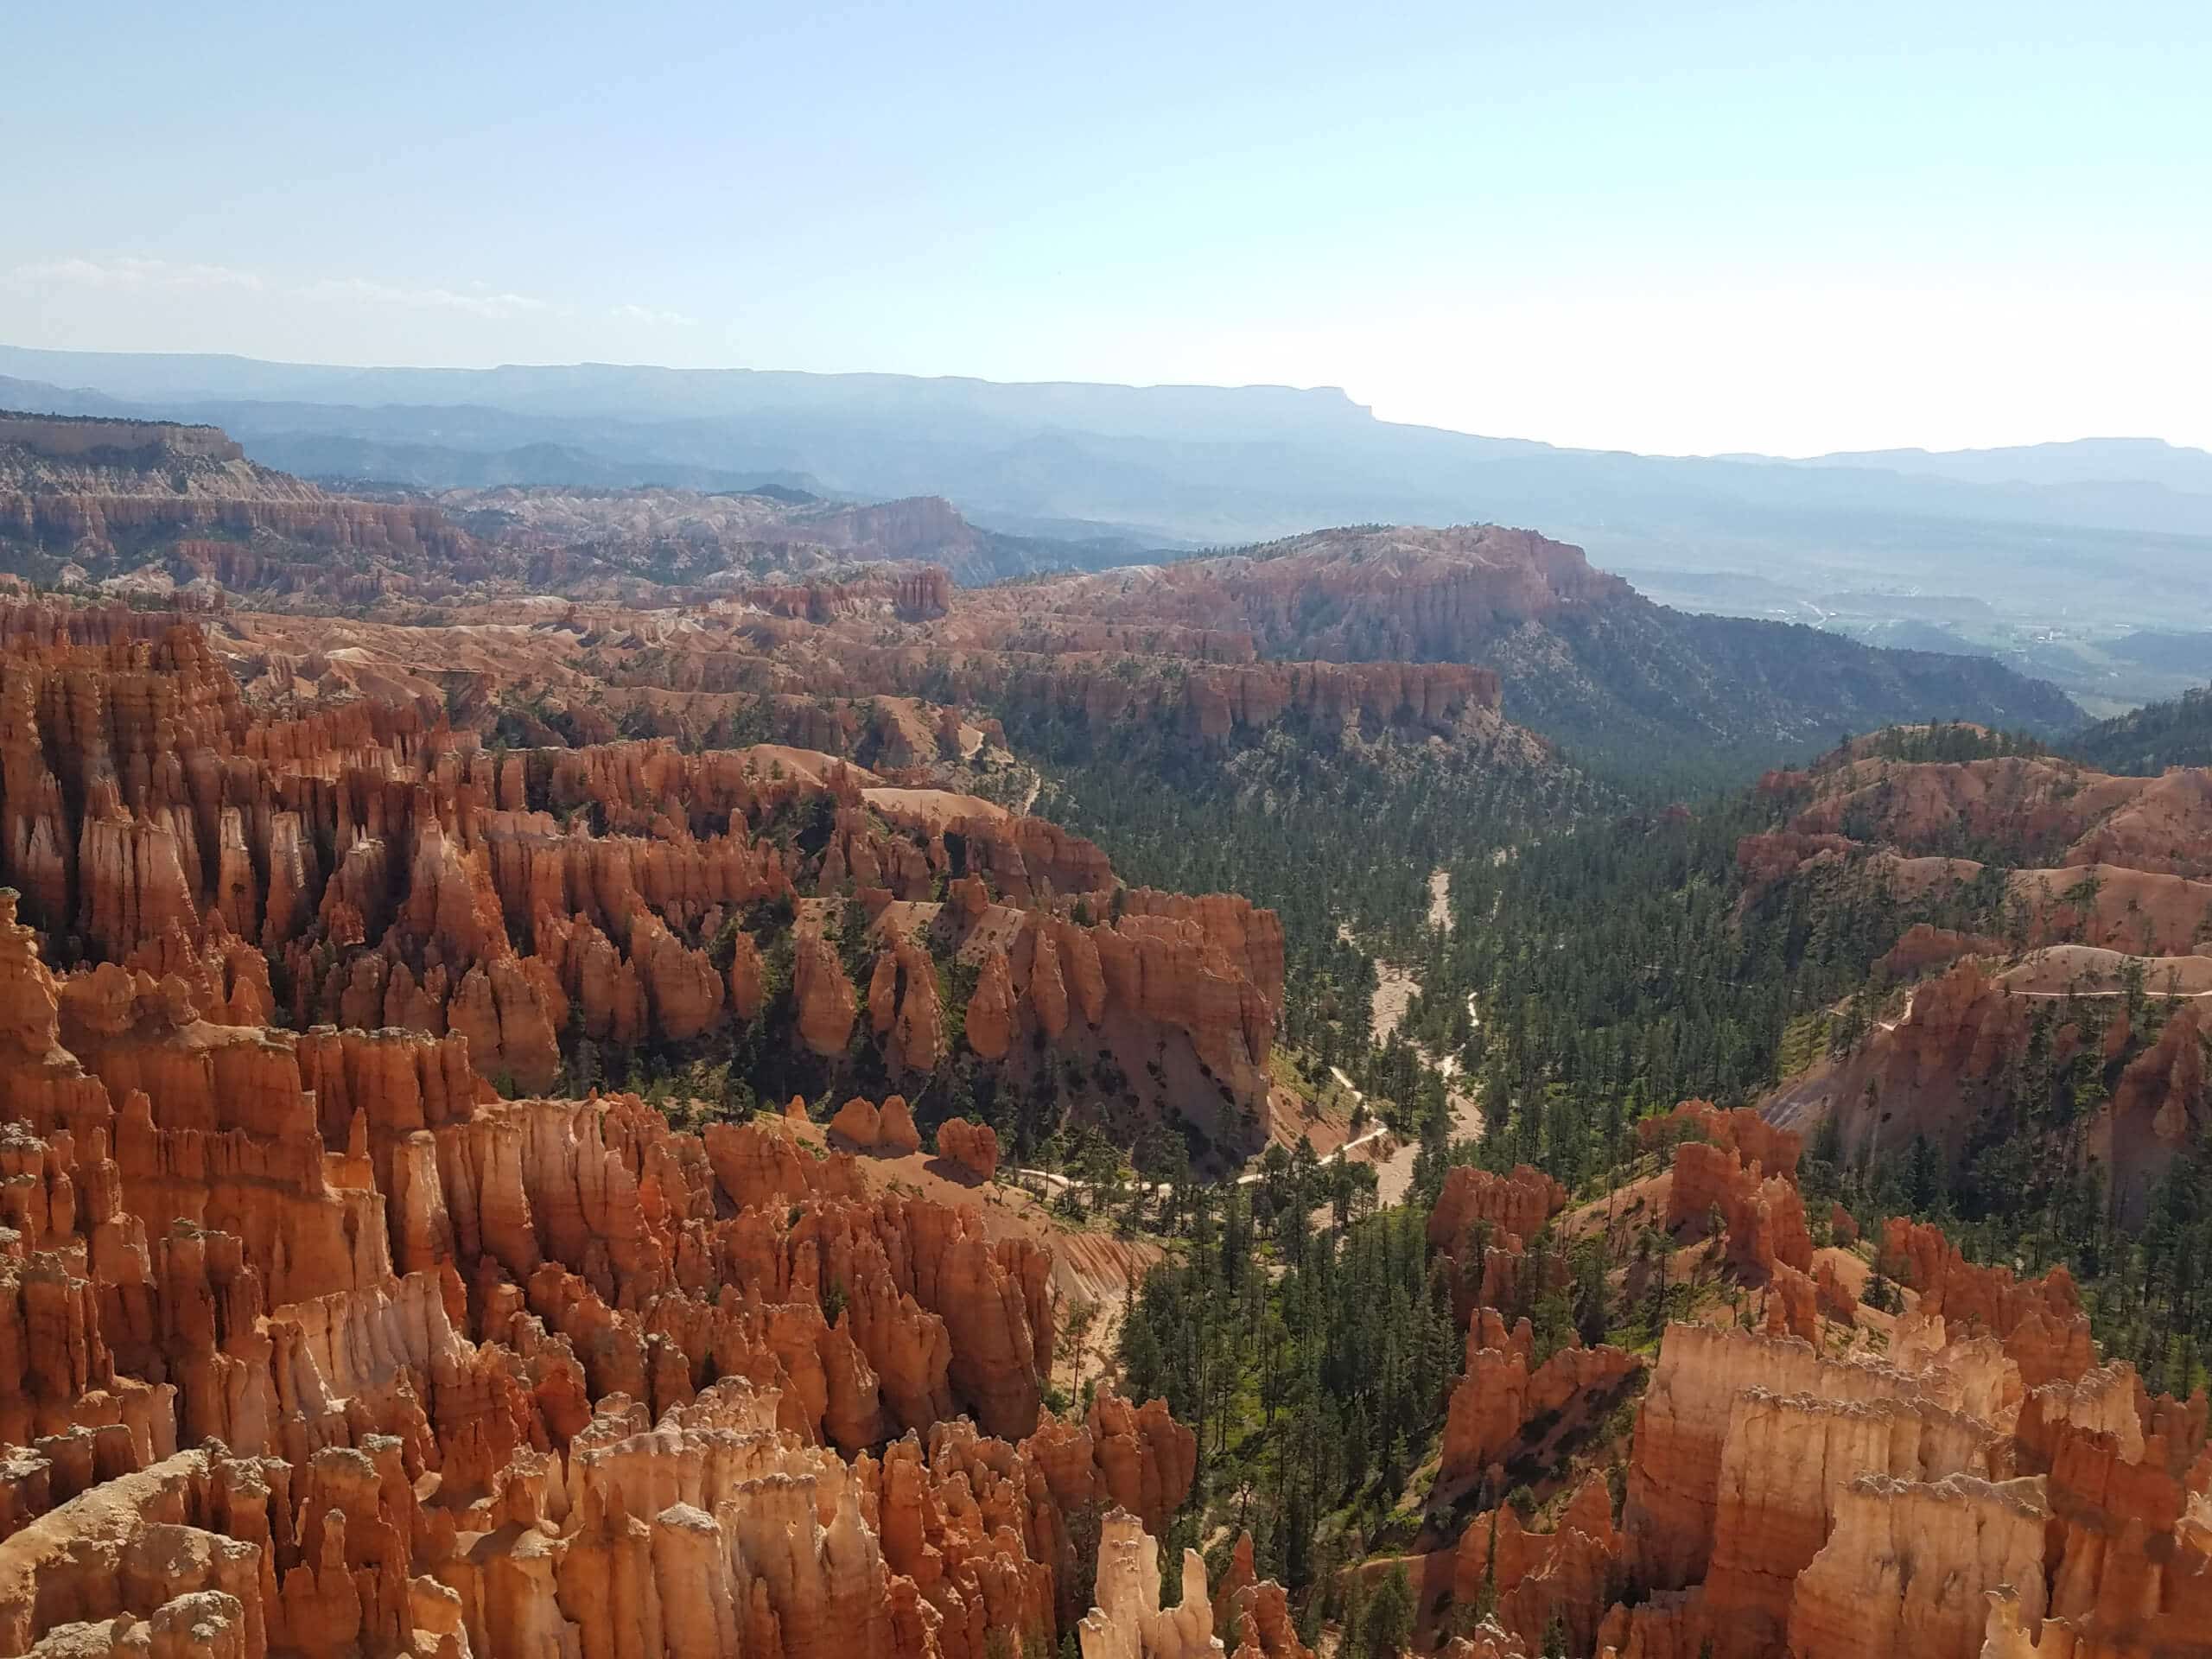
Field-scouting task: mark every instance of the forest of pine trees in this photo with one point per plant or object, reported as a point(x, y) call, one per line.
point(1313, 1361)
point(1616, 963)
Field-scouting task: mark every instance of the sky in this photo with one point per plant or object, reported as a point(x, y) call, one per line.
point(1684, 229)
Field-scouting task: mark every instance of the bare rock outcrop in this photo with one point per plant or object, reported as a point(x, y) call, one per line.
point(1742, 1131)
point(1121, 1456)
point(1763, 1216)
point(858, 1123)
point(990, 1010)
point(1501, 1393)
point(1909, 1567)
point(896, 1135)
point(973, 1146)
point(826, 1005)
point(2040, 1320)
point(1128, 1621)
point(1519, 1204)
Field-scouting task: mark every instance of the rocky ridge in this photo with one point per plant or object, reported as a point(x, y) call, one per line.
point(98, 493)
point(858, 600)
point(148, 506)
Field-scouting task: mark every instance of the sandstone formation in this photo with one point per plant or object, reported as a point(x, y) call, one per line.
point(1742, 1131)
point(91, 489)
point(1431, 595)
point(1780, 1501)
point(1933, 1071)
point(1129, 1622)
point(321, 1347)
point(81, 487)
point(2040, 1321)
point(895, 1134)
point(1482, 1221)
point(2083, 937)
point(344, 1315)
point(2043, 804)
point(1540, 1580)
point(1501, 1394)
point(1974, 1483)
point(858, 1123)
point(1518, 1203)
point(1762, 1216)
point(1254, 1613)
point(974, 1147)
point(1137, 1459)
point(628, 895)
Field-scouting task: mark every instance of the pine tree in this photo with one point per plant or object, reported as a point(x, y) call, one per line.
point(1388, 1625)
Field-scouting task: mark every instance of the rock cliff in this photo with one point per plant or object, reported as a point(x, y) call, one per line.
point(1780, 1500)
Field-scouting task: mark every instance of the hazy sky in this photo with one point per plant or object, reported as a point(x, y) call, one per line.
point(1774, 226)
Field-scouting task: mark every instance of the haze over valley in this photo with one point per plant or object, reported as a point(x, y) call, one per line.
point(2067, 561)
